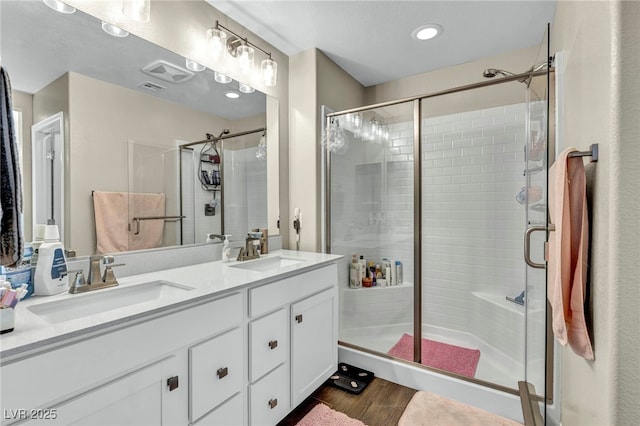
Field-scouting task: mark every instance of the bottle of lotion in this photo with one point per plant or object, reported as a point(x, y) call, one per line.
point(51, 269)
point(226, 250)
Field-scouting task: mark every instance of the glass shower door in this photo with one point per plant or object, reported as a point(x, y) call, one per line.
point(371, 185)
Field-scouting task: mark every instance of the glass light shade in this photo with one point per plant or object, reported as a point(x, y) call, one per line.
point(193, 65)
point(114, 31)
point(221, 78)
point(58, 6)
point(245, 88)
point(357, 120)
point(217, 44)
point(269, 70)
point(244, 55)
point(138, 10)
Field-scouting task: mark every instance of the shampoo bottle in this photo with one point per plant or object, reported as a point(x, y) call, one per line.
point(51, 270)
point(355, 280)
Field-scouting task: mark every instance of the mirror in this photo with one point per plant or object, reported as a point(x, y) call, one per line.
point(123, 128)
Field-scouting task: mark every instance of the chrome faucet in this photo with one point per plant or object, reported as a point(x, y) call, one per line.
point(250, 251)
point(212, 236)
point(96, 280)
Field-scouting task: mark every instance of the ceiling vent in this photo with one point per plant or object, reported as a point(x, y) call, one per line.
point(151, 87)
point(168, 72)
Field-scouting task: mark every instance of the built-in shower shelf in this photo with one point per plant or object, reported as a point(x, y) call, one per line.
point(385, 288)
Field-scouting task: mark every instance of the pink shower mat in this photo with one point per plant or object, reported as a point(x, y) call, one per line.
point(439, 355)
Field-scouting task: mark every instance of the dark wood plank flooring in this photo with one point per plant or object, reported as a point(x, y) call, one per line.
point(380, 404)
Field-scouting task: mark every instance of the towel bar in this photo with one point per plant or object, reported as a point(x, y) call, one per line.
point(593, 153)
point(137, 220)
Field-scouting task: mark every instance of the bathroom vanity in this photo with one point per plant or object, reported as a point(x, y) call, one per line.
point(240, 343)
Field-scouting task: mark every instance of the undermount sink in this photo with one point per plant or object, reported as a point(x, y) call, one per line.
point(267, 263)
point(101, 301)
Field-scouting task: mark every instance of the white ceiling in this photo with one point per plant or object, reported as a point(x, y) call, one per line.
point(371, 40)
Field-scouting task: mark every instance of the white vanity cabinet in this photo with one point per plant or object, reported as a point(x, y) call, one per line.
point(245, 358)
point(134, 375)
point(299, 315)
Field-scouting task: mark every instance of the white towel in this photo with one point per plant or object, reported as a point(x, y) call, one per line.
point(11, 233)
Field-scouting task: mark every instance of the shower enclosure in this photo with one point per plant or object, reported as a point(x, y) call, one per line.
point(442, 188)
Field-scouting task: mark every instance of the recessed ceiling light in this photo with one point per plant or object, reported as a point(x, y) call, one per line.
point(58, 6)
point(114, 31)
point(427, 32)
point(232, 95)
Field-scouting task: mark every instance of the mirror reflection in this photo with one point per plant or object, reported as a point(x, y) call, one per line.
point(118, 117)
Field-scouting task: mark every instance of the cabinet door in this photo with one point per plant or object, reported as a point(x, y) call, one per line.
point(314, 348)
point(134, 399)
point(231, 413)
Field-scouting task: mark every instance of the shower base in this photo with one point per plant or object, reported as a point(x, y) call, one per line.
point(493, 366)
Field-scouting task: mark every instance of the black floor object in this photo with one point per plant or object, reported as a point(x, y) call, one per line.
point(351, 379)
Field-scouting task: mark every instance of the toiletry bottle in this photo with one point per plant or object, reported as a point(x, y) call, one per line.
point(51, 271)
point(392, 275)
point(226, 250)
point(355, 281)
point(398, 272)
point(21, 274)
point(363, 267)
point(38, 239)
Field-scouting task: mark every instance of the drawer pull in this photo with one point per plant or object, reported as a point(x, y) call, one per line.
point(273, 403)
point(222, 372)
point(172, 383)
point(299, 318)
point(273, 344)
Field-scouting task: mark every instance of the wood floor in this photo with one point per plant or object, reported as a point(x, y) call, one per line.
point(380, 404)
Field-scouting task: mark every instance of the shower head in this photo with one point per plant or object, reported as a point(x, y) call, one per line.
point(492, 72)
point(224, 132)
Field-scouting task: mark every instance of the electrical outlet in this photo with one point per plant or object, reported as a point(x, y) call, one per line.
point(209, 210)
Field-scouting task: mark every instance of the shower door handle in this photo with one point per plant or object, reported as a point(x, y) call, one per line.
point(527, 244)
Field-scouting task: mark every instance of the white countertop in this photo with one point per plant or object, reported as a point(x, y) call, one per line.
point(208, 280)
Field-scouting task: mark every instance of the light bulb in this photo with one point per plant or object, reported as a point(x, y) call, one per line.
point(194, 66)
point(58, 6)
point(221, 78)
point(244, 55)
point(269, 69)
point(114, 31)
point(138, 10)
point(357, 120)
point(245, 88)
point(217, 44)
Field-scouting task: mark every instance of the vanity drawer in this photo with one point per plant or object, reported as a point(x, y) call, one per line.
point(228, 414)
point(269, 398)
point(215, 372)
point(271, 296)
point(268, 344)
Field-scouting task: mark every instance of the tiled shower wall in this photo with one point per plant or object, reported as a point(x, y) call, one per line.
point(472, 225)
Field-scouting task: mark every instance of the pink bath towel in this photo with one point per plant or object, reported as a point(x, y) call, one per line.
point(113, 213)
point(568, 248)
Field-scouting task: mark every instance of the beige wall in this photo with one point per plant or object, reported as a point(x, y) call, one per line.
point(180, 26)
point(23, 102)
point(602, 96)
point(315, 81)
point(100, 131)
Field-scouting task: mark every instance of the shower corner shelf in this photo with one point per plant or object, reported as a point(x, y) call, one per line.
point(378, 288)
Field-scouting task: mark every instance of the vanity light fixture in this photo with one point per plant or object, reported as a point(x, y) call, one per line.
point(232, 95)
point(58, 6)
point(221, 78)
point(193, 65)
point(114, 31)
point(243, 51)
point(137, 10)
point(245, 88)
point(427, 32)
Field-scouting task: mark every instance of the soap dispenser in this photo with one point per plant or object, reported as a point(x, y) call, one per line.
point(226, 249)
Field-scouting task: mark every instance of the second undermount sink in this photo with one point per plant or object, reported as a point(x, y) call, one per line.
point(101, 301)
point(267, 263)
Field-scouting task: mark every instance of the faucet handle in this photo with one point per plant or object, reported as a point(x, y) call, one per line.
point(78, 281)
point(108, 277)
